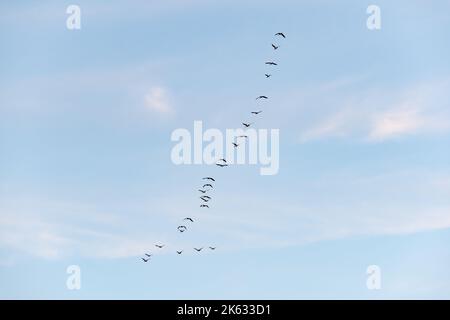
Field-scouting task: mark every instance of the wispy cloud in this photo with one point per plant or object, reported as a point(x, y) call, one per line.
point(158, 100)
point(381, 114)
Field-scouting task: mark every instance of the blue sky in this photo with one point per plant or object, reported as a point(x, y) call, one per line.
point(86, 176)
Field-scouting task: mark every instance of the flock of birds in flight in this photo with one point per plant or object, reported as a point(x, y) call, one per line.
point(207, 186)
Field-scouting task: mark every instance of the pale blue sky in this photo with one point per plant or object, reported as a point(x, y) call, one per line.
point(85, 170)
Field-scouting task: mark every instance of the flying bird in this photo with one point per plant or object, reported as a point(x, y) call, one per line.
point(223, 160)
point(202, 191)
point(207, 185)
point(148, 255)
point(160, 246)
point(204, 206)
point(190, 219)
point(271, 63)
point(235, 144)
point(280, 34)
point(209, 178)
point(206, 200)
point(246, 124)
point(221, 165)
point(267, 75)
point(182, 228)
point(262, 97)
point(213, 248)
point(145, 260)
point(243, 136)
point(256, 112)
point(180, 252)
point(275, 47)
point(198, 249)
point(206, 197)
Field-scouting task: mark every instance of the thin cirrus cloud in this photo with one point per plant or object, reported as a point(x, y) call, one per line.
point(158, 100)
point(383, 114)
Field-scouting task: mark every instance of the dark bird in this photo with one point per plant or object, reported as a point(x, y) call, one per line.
point(271, 63)
point(243, 136)
point(181, 228)
point(262, 97)
point(223, 160)
point(180, 252)
point(246, 124)
point(221, 165)
point(235, 144)
point(148, 255)
point(267, 75)
point(209, 178)
point(206, 200)
point(208, 185)
point(190, 219)
point(145, 260)
point(212, 248)
point(256, 112)
point(280, 34)
point(275, 47)
point(206, 197)
point(198, 249)
point(202, 191)
point(204, 206)
point(160, 246)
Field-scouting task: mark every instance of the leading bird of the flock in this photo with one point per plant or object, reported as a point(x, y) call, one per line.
point(280, 34)
point(271, 63)
point(262, 97)
point(209, 178)
point(247, 124)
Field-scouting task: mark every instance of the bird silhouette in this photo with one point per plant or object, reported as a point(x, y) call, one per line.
point(198, 249)
point(213, 248)
point(271, 63)
point(246, 124)
point(204, 206)
point(190, 219)
point(256, 112)
point(262, 97)
point(207, 185)
point(181, 228)
point(280, 34)
point(145, 260)
point(267, 75)
point(275, 47)
point(242, 136)
point(206, 197)
point(160, 246)
point(235, 144)
point(221, 165)
point(209, 178)
point(180, 252)
point(206, 200)
point(202, 191)
point(223, 160)
point(148, 255)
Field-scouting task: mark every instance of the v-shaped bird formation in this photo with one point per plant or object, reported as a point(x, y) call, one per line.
point(208, 182)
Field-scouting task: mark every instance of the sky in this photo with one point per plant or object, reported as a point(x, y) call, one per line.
point(86, 176)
